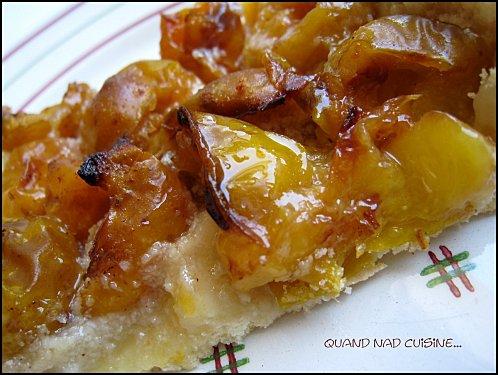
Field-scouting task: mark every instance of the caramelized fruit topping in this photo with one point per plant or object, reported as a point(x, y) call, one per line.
point(393, 56)
point(384, 185)
point(39, 179)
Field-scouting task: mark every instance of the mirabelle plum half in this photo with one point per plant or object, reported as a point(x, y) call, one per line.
point(265, 24)
point(206, 39)
point(148, 205)
point(394, 56)
point(453, 168)
point(265, 188)
point(39, 275)
point(65, 119)
point(307, 46)
point(134, 103)
point(39, 178)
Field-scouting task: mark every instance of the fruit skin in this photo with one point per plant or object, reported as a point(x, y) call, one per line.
point(39, 274)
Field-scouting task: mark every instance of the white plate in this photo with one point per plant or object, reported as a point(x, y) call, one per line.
point(44, 47)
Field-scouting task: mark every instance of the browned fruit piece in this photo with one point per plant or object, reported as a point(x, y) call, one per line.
point(308, 44)
point(207, 39)
point(148, 205)
point(248, 91)
point(395, 56)
point(134, 102)
point(64, 120)
point(402, 55)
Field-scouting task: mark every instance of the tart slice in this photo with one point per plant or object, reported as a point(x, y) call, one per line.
point(189, 202)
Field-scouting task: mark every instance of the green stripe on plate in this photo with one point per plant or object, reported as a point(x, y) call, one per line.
point(450, 275)
point(236, 348)
point(240, 362)
point(444, 263)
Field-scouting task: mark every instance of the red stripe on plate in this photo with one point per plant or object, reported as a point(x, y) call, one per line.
point(217, 360)
point(93, 50)
point(232, 361)
point(41, 30)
